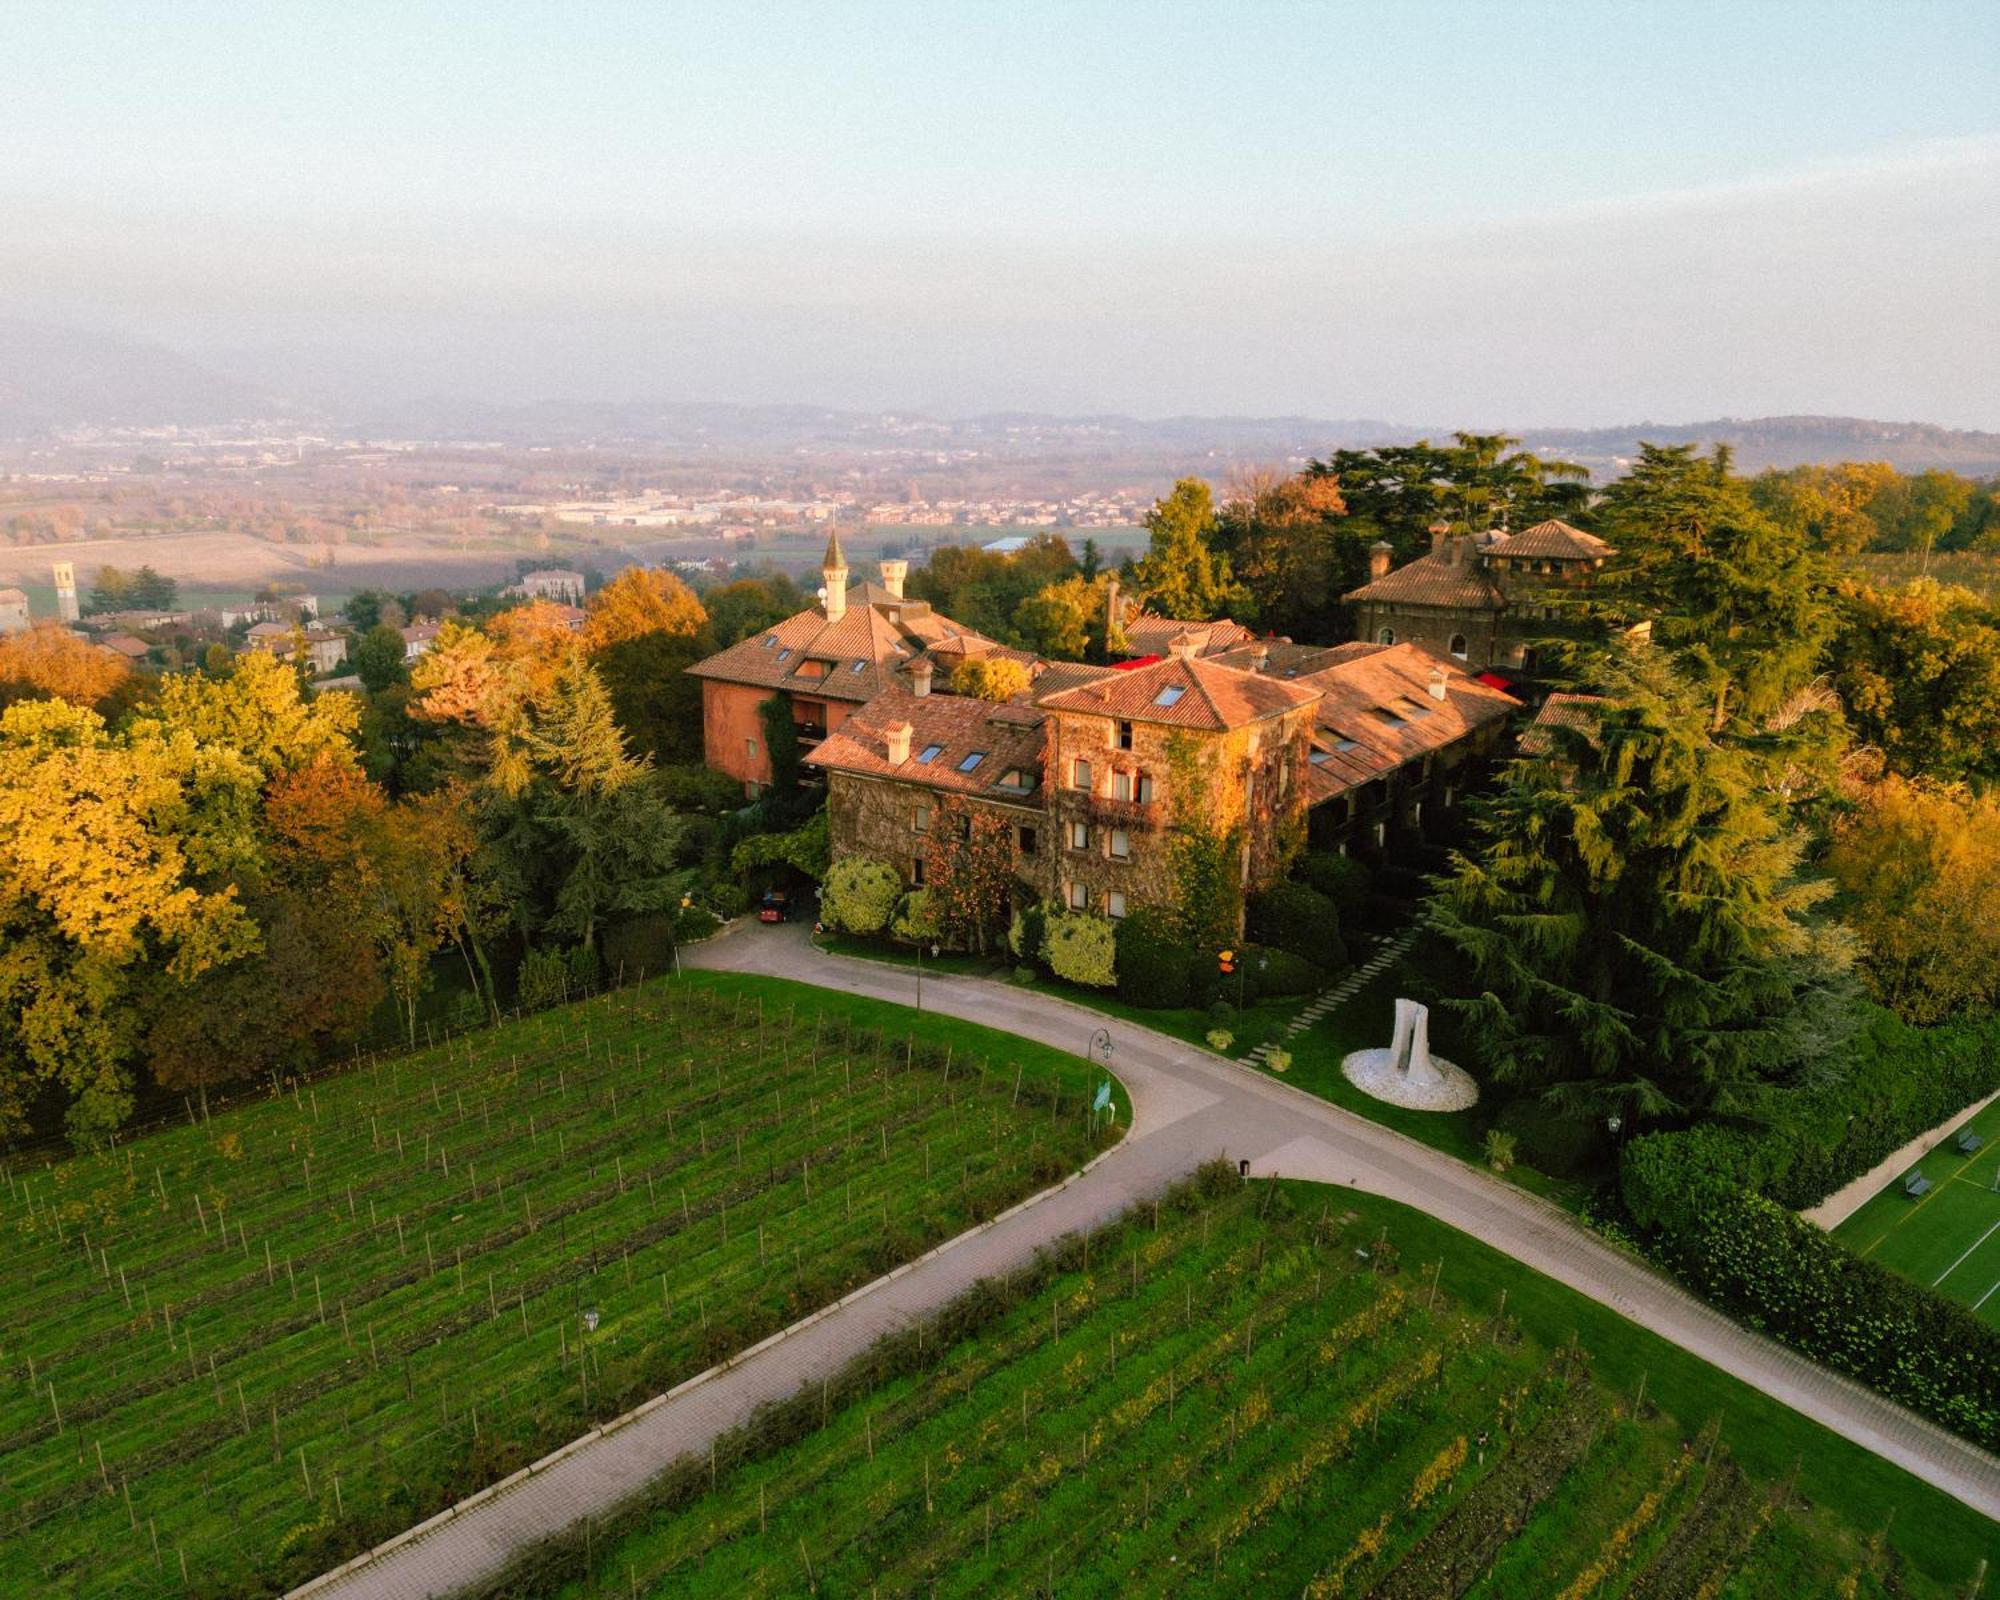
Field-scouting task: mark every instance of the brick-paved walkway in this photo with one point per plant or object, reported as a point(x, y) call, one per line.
point(1189, 1106)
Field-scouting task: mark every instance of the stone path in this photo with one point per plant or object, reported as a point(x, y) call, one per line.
point(1327, 1001)
point(1188, 1107)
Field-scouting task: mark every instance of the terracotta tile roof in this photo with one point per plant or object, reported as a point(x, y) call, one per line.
point(1150, 635)
point(1578, 711)
point(864, 652)
point(1436, 579)
point(1183, 694)
point(1551, 541)
point(1008, 737)
point(1058, 676)
point(1283, 659)
point(1377, 711)
point(125, 645)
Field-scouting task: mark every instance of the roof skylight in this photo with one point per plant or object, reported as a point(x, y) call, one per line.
point(1170, 695)
point(929, 753)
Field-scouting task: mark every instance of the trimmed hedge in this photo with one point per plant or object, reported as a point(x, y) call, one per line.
point(1290, 916)
point(1714, 1203)
point(1342, 879)
point(1152, 962)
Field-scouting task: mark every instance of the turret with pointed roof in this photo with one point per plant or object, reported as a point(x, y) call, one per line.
point(834, 569)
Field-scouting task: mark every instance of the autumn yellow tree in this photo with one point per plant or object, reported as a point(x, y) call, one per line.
point(989, 677)
point(1919, 871)
point(47, 661)
point(100, 886)
point(639, 601)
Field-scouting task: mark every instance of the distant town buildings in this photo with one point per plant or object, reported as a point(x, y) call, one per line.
point(550, 583)
point(13, 611)
point(324, 648)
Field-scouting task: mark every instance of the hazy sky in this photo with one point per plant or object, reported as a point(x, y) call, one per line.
point(1433, 213)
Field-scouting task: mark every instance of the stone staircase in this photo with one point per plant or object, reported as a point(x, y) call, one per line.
point(1384, 956)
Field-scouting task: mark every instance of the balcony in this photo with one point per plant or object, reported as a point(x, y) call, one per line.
point(1133, 815)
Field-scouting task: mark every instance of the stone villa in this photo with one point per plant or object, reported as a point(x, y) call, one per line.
point(1350, 747)
point(1478, 599)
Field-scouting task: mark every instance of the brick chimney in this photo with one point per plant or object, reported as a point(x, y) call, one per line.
point(898, 739)
point(1439, 683)
point(893, 574)
point(1440, 531)
point(1112, 621)
point(1380, 554)
point(1181, 647)
point(920, 677)
point(1261, 658)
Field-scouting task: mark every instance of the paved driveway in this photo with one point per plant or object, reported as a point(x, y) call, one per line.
point(1188, 1107)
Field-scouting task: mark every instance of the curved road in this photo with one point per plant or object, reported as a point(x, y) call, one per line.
point(1188, 1107)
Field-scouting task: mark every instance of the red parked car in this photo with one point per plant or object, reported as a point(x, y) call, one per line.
point(776, 906)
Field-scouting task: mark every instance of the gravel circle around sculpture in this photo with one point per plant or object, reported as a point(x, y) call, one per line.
point(1374, 1073)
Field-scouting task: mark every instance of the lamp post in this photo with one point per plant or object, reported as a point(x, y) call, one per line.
point(687, 900)
point(583, 1357)
point(1100, 1040)
point(920, 970)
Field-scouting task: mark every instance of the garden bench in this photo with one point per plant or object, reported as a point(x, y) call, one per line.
point(1916, 1186)
point(1969, 1143)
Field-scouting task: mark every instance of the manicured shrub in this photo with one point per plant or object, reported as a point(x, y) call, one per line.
point(916, 920)
point(1081, 947)
point(1279, 1061)
point(1025, 931)
point(1221, 1011)
point(725, 898)
point(1293, 917)
point(1342, 879)
point(1219, 1040)
point(1560, 1145)
point(1152, 962)
point(1279, 972)
point(860, 895)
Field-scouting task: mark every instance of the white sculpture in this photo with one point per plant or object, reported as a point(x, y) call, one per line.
point(1407, 1074)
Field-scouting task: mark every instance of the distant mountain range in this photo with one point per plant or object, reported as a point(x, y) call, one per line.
point(53, 379)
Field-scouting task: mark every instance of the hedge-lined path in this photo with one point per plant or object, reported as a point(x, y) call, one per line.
point(1188, 1107)
point(1327, 1001)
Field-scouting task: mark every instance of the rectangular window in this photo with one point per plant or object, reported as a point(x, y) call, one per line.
point(1121, 786)
point(750, 748)
point(1170, 695)
point(1079, 776)
point(920, 819)
point(1145, 790)
point(929, 753)
point(1079, 836)
point(917, 870)
point(1124, 736)
point(972, 761)
point(1115, 903)
point(1121, 845)
point(1027, 841)
point(1079, 897)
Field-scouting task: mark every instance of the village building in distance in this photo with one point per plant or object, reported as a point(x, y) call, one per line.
point(1480, 600)
point(1350, 747)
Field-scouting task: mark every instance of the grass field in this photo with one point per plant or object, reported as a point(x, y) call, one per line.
point(1260, 1390)
point(1950, 1239)
point(249, 1348)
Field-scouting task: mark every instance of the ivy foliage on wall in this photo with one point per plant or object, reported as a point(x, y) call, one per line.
point(1204, 860)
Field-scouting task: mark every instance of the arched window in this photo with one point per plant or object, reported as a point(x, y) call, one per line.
point(1385, 635)
point(1457, 645)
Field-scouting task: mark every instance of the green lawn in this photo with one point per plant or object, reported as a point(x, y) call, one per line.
point(1251, 1026)
point(275, 1338)
point(1368, 1021)
point(1254, 1390)
point(1950, 1239)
